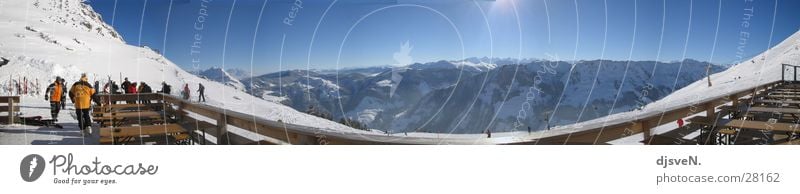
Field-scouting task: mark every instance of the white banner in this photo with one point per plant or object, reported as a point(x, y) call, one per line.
point(398, 169)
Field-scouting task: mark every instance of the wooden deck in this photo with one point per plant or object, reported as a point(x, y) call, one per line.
point(137, 123)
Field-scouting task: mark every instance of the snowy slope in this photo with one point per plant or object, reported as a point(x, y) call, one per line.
point(761, 69)
point(48, 38)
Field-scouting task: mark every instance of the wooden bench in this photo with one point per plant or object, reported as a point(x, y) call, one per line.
point(790, 102)
point(747, 124)
point(781, 96)
point(773, 110)
point(136, 107)
point(126, 134)
point(129, 115)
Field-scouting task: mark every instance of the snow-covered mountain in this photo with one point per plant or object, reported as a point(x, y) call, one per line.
point(471, 66)
point(470, 96)
point(239, 74)
point(761, 69)
point(48, 38)
point(222, 76)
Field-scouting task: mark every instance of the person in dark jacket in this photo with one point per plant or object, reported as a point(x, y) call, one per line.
point(202, 90)
point(54, 94)
point(95, 97)
point(145, 89)
point(63, 97)
point(125, 85)
point(165, 88)
point(115, 88)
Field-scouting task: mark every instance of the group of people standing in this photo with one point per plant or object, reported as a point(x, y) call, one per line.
point(186, 93)
point(139, 88)
point(80, 93)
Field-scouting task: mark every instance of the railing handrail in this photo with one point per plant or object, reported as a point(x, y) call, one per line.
point(292, 133)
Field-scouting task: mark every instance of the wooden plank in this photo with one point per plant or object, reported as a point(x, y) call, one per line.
point(131, 114)
point(727, 132)
point(129, 122)
point(781, 96)
point(700, 120)
point(667, 140)
point(747, 124)
point(773, 110)
point(761, 125)
point(5, 99)
point(113, 107)
point(791, 102)
point(141, 130)
point(15, 108)
point(791, 142)
point(157, 139)
point(107, 98)
point(11, 102)
point(5, 118)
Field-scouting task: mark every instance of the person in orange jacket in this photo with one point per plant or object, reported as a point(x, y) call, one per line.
point(81, 95)
point(55, 93)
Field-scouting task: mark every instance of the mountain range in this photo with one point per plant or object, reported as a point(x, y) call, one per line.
point(476, 94)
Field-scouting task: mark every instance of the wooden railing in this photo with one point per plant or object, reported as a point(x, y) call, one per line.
point(204, 120)
point(644, 123)
point(10, 105)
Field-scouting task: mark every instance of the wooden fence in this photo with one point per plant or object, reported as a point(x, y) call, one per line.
point(9, 105)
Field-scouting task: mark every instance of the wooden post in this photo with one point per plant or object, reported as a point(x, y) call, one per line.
point(645, 131)
point(734, 101)
point(712, 116)
point(222, 130)
point(10, 111)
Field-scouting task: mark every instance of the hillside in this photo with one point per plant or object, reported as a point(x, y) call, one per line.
point(44, 39)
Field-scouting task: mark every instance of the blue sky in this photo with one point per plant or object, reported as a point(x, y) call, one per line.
point(612, 29)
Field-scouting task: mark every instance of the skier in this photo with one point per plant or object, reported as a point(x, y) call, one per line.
point(125, 85)
point(202, 91)
point(54, 94)
point(529, 129)
point(81, 93)
point(165, 88)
